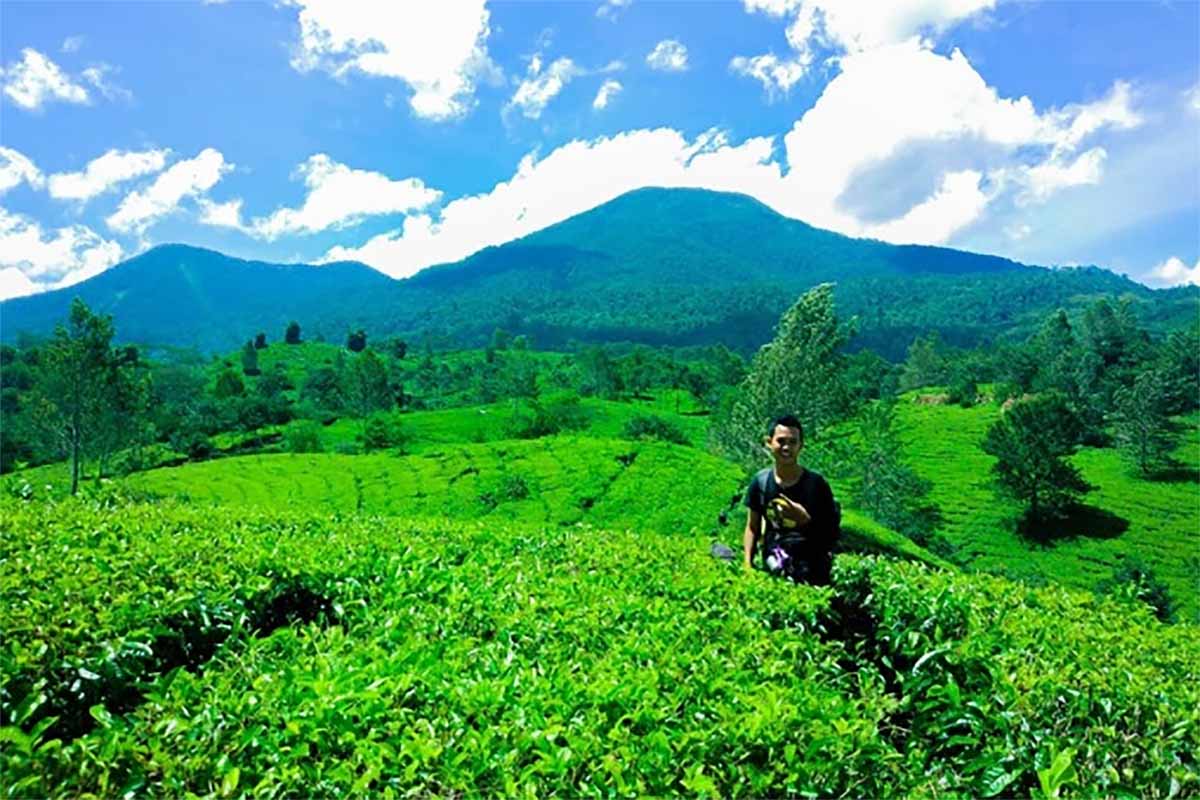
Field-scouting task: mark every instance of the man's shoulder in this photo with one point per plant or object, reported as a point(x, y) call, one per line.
point(761, 477)
point(815, 478)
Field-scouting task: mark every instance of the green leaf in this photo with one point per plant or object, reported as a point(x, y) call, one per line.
point(230, 782)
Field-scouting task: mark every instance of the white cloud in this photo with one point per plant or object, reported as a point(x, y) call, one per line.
point(439, 51)
point(608, 90)
point(61, 258)
point(338, 197)
point(540, 87)
point(957, 202)
point(845, 26)
point(16, 168)
point(669, 56)
point(190, 178)
point(610, 9)
point(1174, 272)
point(775, 74)
point(71, 44)
point(1112, 111)
point(1044, 179)
point(105, 172)
point(222, 215)
point(14, 283)
point(36, 80)
point(97, 76)
point(1191, 99)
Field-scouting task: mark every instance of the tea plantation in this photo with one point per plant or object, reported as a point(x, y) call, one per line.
point(187, 649)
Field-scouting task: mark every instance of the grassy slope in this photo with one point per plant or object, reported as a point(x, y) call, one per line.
point(943, 445)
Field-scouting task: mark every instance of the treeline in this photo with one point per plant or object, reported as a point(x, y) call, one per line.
point(111, 409)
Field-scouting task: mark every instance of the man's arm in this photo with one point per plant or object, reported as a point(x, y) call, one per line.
point(750, 536)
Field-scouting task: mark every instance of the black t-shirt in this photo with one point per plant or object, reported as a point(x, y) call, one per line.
point(811, 542)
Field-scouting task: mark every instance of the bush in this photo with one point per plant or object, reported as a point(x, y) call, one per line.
point(380, 432)
point(649, 426)
point(510, 487)
point(558, 414)
point(304, 437)
point(1133, 580)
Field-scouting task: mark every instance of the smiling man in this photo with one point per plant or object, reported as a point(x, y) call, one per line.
point(792, 510)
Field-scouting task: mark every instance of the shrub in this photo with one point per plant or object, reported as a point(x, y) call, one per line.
point(380, 432)
point(304, 437)
point(649, 426)
point(555, 415)
point(1134, 580)
point(509, 487)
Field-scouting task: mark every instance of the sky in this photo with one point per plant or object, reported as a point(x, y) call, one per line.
point(405, 135)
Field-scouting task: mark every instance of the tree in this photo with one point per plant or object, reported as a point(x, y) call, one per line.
point(399, 349)
point(260, 341)
point(500, 339)
point(888, 488)
point(229, 385)
point(73, 382)
point(250, 360)
point(366, 385)
point(292, 336)
point(801, 371)
point(1056, 354)
point(1031, 442)
point(1179, 365)
point(926, 362)
point(356, 342)
point(1143, 429)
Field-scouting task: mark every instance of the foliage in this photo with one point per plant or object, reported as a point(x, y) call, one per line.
point(887, 487)
point(303, 653)
point(1030, 443)
point(229, 384)
point(799, 372)
point(382, 431)
point(651, 426)
point(1143, 429)
point(260, 341)
point(356, 341)
point(304, 437)
point(250, 360)
point(1135, 580)
point(292, 334)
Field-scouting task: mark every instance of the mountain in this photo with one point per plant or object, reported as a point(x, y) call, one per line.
point(662, 266)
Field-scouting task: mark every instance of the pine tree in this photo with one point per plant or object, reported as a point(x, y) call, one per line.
point(1031, 442)
point(799, 372)
point(1142, 427)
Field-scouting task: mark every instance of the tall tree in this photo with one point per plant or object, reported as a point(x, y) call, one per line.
point(1031, 442)
point(800, 371)
point(292, 334)
point(926, 362)
point(1141, 424)
point(356, 341)
point(366, 385)
point(250, 360)
point(888, 488)
point(72, 390)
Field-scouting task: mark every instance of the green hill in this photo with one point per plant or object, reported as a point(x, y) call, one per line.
point(660, 266)
point(1125, 517)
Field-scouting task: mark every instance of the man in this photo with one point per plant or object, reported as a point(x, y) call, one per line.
point(792, 510)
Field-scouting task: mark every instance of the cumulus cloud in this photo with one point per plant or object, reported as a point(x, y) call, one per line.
point(668, 56)
point(1174, 272)
point(338, 197)
point(35, 80)
point(610, 9)
point(774, 73)
point(1044, 179)
point(105, 172)
point(34, 260)
point(835, 27)
point(16, 168)
point(608, 90)
point(222, 215)
point(541, 86)
point(183, 179)
point(439, 52)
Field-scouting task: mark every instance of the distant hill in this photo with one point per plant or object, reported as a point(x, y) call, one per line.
point(661, 266)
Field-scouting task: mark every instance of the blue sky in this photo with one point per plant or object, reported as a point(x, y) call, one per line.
point(1055, 133)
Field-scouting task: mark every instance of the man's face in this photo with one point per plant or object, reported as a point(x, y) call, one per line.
point(785, 444)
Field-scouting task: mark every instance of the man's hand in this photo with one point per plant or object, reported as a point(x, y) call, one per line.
point(794, 511)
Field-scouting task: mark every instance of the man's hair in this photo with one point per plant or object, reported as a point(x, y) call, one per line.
point(787, 421)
